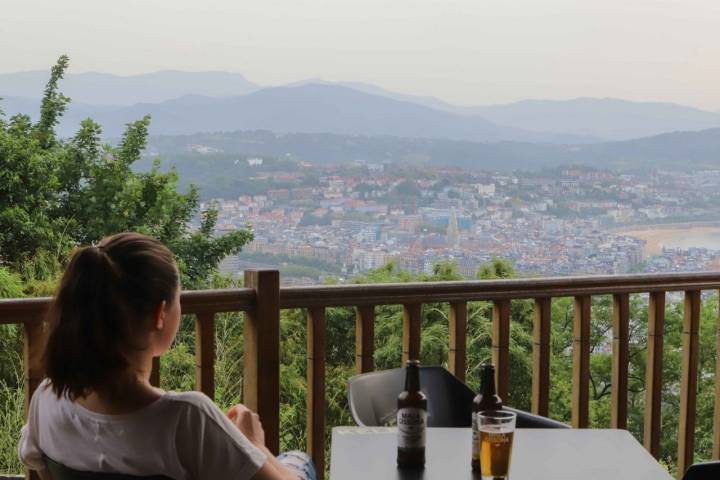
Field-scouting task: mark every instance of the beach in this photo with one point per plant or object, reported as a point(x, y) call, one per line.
point(683, 237)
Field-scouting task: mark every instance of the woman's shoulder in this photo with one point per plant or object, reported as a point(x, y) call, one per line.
point(194, 402)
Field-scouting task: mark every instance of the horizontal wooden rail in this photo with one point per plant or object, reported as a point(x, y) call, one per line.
point(20, 310)
point(491, 290)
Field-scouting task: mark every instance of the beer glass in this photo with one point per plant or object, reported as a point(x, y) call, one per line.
point(496, 438)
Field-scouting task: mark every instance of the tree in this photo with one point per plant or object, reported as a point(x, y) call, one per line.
point(59, 193)
point(496, 269)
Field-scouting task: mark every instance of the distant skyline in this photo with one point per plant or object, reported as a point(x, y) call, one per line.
point(466, 52)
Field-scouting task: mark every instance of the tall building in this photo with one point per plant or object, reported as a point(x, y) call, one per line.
point(453, 233)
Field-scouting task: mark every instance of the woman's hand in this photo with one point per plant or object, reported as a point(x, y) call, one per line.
point(248, 422)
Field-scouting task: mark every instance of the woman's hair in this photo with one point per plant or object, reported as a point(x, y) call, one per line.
point(106, 297)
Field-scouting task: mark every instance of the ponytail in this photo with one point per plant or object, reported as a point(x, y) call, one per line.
point(106, 296)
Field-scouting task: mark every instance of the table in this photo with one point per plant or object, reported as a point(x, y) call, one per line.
point(555, 454)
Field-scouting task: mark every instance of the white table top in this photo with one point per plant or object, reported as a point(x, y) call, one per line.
point(553, 454)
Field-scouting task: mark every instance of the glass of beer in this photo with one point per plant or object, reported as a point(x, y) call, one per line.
point(496, 429)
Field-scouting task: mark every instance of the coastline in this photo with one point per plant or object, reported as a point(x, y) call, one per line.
point(658, 236)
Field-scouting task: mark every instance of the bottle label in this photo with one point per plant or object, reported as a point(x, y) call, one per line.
point(411, 424)
point(475, 439)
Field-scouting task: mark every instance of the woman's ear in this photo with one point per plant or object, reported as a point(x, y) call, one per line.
point(159, 316)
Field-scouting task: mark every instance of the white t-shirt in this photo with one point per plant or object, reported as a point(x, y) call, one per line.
point(184, 436)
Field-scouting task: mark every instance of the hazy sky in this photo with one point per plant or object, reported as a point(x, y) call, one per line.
point(464, 51)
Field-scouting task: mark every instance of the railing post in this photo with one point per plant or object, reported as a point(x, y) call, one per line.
point(688, 380)
point(501, 346)
point(205, 354)
point(542, 317)
point(34, 338)
point(620, 359)
point(581, 362)
point(716, 422)
point(457, 326)
point(412, 319)
point(316, 387)
point(653, 372)
point(364, 338)
point(261, 380)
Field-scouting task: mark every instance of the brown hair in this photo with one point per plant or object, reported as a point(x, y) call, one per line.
point(105, 297)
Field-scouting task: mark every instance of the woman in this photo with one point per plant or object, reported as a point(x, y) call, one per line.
point(117, 307)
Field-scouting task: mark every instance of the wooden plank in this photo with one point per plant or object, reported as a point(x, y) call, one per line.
point(620, 360)
point(261, 380)
point(688, 380)
point(233, 300)
point(716, 421)
point(542, 318)
point(205, 353)
point(412, 319)
point(581, 362)
point(155, 372)
point(653, 373)
point(364, 338)
point(490, 290)
point(35, 332)
point(316, 387)
point(501, 346)
point(457, 327)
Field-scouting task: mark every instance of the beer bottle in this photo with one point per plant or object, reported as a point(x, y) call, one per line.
point(483, 401)
point(411, 420)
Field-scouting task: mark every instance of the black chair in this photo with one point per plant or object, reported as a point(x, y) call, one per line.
point(61, 472)
point(373, 400)
point(703, 471)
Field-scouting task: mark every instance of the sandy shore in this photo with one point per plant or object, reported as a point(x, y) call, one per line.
point(657, 237)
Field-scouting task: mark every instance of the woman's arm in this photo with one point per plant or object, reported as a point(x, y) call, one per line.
point(248, 422)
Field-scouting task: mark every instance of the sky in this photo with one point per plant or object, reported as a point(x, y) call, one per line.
point(468, 52)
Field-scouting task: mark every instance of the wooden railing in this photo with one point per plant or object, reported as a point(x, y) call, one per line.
point(262, 300)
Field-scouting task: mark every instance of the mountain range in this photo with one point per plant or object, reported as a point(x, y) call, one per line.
point(187, 102)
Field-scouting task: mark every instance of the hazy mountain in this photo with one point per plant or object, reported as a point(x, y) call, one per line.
point(311, 108)
point(427, 101)
point(107, 89)
point(607, 118)
point(682, 150)
point(173, 97)
point(582, 120)
point(594, 119)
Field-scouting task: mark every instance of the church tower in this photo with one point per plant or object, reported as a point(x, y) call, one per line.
point(453, 233)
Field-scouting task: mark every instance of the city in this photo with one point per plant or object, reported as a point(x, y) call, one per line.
point(345, 220)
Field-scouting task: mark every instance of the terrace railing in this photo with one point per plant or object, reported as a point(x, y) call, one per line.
point(262, 299)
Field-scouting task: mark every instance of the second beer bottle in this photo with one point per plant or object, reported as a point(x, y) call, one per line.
point(486, 400)
point(411, 420)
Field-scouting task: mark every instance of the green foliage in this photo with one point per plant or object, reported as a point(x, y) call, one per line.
point(495, 269)
point(11, 285)
point(55, 194)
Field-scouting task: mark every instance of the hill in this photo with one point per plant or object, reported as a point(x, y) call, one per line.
point(606, 118)
point(681, 151)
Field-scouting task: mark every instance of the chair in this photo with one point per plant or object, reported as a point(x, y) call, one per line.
point(373, 400)
point(703, 471)
point(61, 472)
